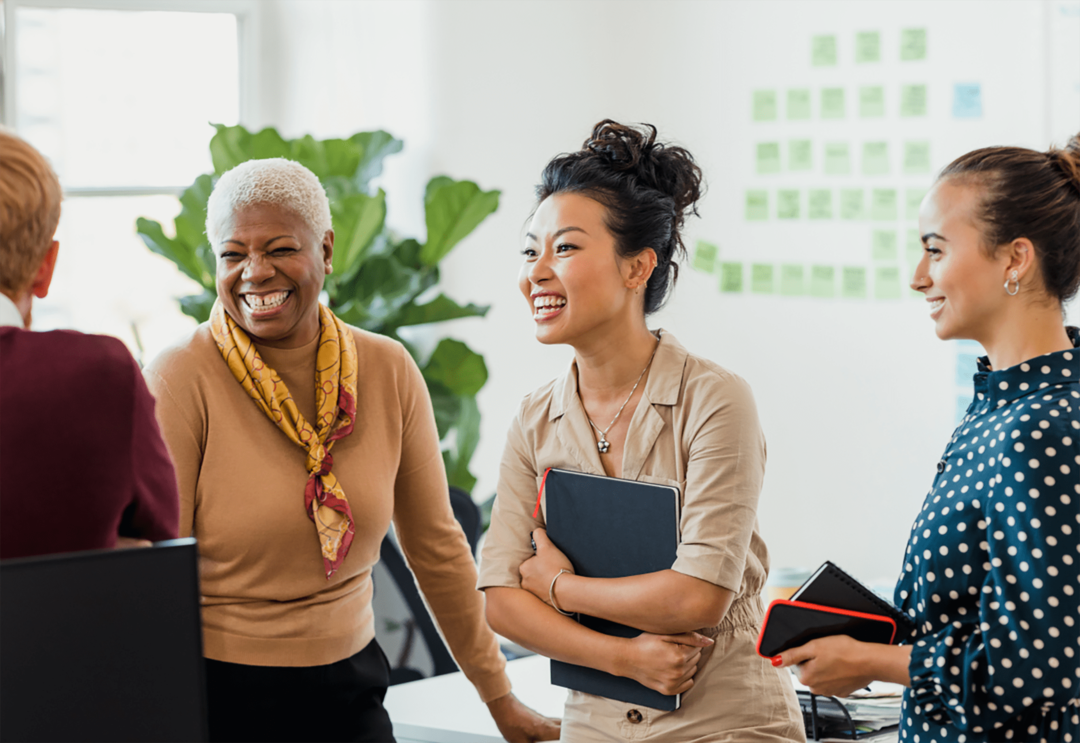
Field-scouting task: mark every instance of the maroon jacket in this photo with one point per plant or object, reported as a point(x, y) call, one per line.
point(81, 456)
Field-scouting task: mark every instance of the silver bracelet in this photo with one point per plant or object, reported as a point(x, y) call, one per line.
point(551, 592)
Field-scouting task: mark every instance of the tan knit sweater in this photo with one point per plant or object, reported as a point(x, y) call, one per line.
point(265, 598)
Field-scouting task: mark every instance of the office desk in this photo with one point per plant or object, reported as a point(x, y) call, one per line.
point(446, 709)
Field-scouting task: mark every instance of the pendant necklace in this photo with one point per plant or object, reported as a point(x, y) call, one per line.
point(603, 444)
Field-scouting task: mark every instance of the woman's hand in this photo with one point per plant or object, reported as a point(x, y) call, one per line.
point(665, 663)
point(520, 724)
point(539, 570)
point(839, 665)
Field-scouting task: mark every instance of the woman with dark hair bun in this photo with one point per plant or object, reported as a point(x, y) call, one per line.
point(992, 570)
point(601, 254)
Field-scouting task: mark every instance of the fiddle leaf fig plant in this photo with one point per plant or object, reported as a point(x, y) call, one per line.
point(381, 281)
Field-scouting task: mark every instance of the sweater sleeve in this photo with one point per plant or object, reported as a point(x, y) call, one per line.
point(183, 440)
point(1018, 652)
point(436, 547)
point(153, 511)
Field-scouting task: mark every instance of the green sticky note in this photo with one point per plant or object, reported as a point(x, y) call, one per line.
point(791, 280)
point(764, 105)
point(768, 157)
point(912, 100)
point(875, 158)
point(912, 44)
point(787, 204)
point(837, 158)
point(757, 205)
point(851, 203)
point(871, 101)
point(883, 245)
point(761, 278)
point(705, 255)
point(823, 51)
point(798, 104)
point(853, 282)
point(822, 281)
point(819, 204)
point(917, 156)
point(731, 278)
point(800, 155)
point(887, 282)
point(912, 201)
point(832, 103)
point(868, 46)
point(883, 204)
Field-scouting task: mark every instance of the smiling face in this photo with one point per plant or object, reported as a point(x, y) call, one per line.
point(575, 283)
point(963, 285)
point(270, 271)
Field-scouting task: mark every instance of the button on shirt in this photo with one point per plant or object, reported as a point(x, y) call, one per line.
point(992, 570)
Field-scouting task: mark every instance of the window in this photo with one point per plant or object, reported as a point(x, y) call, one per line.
point(120, 96)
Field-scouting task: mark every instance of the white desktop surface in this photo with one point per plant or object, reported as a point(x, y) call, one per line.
point(447, 709)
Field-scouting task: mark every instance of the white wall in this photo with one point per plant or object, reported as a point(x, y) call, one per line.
point(857, 397)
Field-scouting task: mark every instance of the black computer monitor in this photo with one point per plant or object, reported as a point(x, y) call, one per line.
point(102, 645)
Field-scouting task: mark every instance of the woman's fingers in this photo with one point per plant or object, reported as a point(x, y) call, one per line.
point(541, 538)
point(692, 639)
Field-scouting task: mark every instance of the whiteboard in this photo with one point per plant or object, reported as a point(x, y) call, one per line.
point(857, 395)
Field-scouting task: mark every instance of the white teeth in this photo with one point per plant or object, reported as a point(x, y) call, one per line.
point(548, 300)
point(936, 304)
point(266, 301)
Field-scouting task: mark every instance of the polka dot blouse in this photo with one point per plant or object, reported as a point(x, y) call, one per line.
point(992, 570)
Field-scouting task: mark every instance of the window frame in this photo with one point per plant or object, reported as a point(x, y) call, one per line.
point(248, 28)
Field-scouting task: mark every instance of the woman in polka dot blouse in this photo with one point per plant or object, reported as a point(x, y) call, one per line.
point(991, 575)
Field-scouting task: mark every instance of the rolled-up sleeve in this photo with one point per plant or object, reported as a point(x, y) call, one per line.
point(724, 473)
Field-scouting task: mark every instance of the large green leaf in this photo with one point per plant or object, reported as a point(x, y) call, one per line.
point(466, 438)
point(184, 256)
point(327, 158)
point(457, 367)
point(358, 220)
point(453, 209)
point(232, 145)
point(198, 305)
point(440, 309)
point(375, 147)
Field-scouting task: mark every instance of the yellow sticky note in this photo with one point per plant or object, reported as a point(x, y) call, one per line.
point(875, 158)
point(883, 245)
point(731, 278)
point(837, 158)
point(798, 104)
point(883, 204)
point(867, 46)
point(822, 281)
point(768, 158)
point(913, 100)
point(791, 280)
point(761, 278)
point(871, 101)
point(853, 282)
point(823, 51)
point(887, 282)
point(851, 204)
point(800, 155)
point(757, 205)
point(917, 156)
point(764, 105)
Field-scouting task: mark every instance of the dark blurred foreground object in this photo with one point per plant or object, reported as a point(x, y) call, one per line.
point(102, 646)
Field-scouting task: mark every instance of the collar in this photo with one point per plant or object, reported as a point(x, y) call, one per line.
point(9, 313)
point(1002, 387)
point(661, 388)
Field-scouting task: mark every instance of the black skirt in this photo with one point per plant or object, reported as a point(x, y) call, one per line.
point(338, 702)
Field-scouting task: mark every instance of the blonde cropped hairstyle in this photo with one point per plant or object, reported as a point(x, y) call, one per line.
point(29, 211)
point(274, 181)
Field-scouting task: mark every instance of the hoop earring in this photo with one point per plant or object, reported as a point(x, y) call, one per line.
point(1012, 278)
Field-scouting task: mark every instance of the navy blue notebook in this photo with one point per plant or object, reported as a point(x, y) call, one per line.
point(611, 528)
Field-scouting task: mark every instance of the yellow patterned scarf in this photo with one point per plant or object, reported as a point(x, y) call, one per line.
point(335, 405)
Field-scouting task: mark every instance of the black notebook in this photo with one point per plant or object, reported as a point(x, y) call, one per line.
point(611, 528)
point(831, 586)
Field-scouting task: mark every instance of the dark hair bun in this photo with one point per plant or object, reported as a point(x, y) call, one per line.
point(648, 188)
point(670, 170)
point(1067, 160)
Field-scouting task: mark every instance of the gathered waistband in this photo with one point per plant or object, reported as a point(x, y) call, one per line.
point(745, 612)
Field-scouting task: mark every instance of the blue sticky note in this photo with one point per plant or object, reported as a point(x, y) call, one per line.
point(967, 101)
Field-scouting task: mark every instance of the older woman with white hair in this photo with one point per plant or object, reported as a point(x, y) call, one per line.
point(297, 439)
